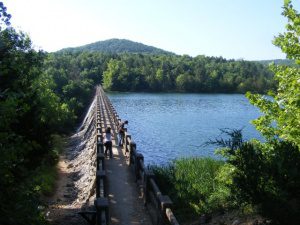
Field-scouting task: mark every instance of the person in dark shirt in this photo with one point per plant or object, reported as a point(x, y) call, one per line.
point(121, 132)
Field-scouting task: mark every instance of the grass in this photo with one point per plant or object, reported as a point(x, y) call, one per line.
point(45, 178)
point(196, 186)
point(46, 175)
point(58, 143)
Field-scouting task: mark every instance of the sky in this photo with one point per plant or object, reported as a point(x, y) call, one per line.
point(233, 29)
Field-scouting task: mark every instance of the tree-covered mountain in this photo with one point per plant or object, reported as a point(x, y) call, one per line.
point(286, 62)
point(116, 46)
point(156, 73)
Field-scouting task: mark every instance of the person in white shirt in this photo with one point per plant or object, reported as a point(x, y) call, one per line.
point(108, 141)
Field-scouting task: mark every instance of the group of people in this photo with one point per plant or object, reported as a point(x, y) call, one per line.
point(108, 137)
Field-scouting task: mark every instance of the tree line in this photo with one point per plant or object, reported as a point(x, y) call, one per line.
point(161, 73)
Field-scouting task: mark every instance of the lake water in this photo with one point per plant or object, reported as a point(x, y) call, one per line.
point(169, 126)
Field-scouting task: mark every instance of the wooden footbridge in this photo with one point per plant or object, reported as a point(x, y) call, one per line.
point(126, 191)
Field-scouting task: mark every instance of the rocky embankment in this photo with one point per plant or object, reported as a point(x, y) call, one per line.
point(75, 188)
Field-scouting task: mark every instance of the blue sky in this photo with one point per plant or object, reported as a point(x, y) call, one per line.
point(233, 29)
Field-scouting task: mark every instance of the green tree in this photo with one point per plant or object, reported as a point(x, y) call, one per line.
point(30, 112)
point(267, 174)
point(186, 82)
point(116, 76)
point(4, 16)
point(281, 112)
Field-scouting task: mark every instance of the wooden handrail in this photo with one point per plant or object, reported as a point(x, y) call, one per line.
point(101, 202)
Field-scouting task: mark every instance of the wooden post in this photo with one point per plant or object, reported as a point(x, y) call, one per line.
point(131, 152)
point(100, 157)
point(139, 157)
point(101, 175)
point(165, 202)
point(99, 138)
point(148, 176)
point(101, 204)
point(127, 136)
point(100, 148)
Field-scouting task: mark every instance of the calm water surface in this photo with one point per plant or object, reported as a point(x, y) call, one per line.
point(169, 126)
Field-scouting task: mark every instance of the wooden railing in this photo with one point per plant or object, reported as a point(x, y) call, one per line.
point(100, 215)
point(101, 202)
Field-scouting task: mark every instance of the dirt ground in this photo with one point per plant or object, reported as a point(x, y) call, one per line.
point(62, 207)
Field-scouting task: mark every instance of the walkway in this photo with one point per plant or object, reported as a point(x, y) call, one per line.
point(126, 205)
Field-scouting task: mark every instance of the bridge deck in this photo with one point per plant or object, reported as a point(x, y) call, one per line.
point(126, 205)
point(125, 201)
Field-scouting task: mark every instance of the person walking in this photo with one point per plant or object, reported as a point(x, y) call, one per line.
point(108, 142)
point(121, 132)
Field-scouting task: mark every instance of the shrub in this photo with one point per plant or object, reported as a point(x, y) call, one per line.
point(196, 185)
point(268, 175)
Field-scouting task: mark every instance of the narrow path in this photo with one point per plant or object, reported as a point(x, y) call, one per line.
point(126, 204)
point(125, 201)
point(61, 208)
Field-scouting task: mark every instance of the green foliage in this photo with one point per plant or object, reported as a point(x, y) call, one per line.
point(289, 41)
point(30, 112)
point(4, 16)
point(280, 62)
point(74, 76)
point(281, 112)
point(268, 175)
point(116, 76)
point(264, 175)
point(44, 178)
point(234, 142)
point(196, 180)
point(58, 143)
point(138, 72)
point(196, 186)
point(185, 82)
point(20, 206)
point(117, 46)
point(159, 72)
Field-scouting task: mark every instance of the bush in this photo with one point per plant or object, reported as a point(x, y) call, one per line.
point(45, 178)
point(268, 175)
point(196, 186)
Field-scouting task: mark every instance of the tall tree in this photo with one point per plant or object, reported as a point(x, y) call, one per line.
point(4, 16)
point(29, 113)
point(281, 113)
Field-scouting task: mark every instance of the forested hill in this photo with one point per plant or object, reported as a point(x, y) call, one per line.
point(116, 46)
point(286, 62)
point(73, 72)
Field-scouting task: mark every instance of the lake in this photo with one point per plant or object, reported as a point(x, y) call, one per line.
point(169, 126)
